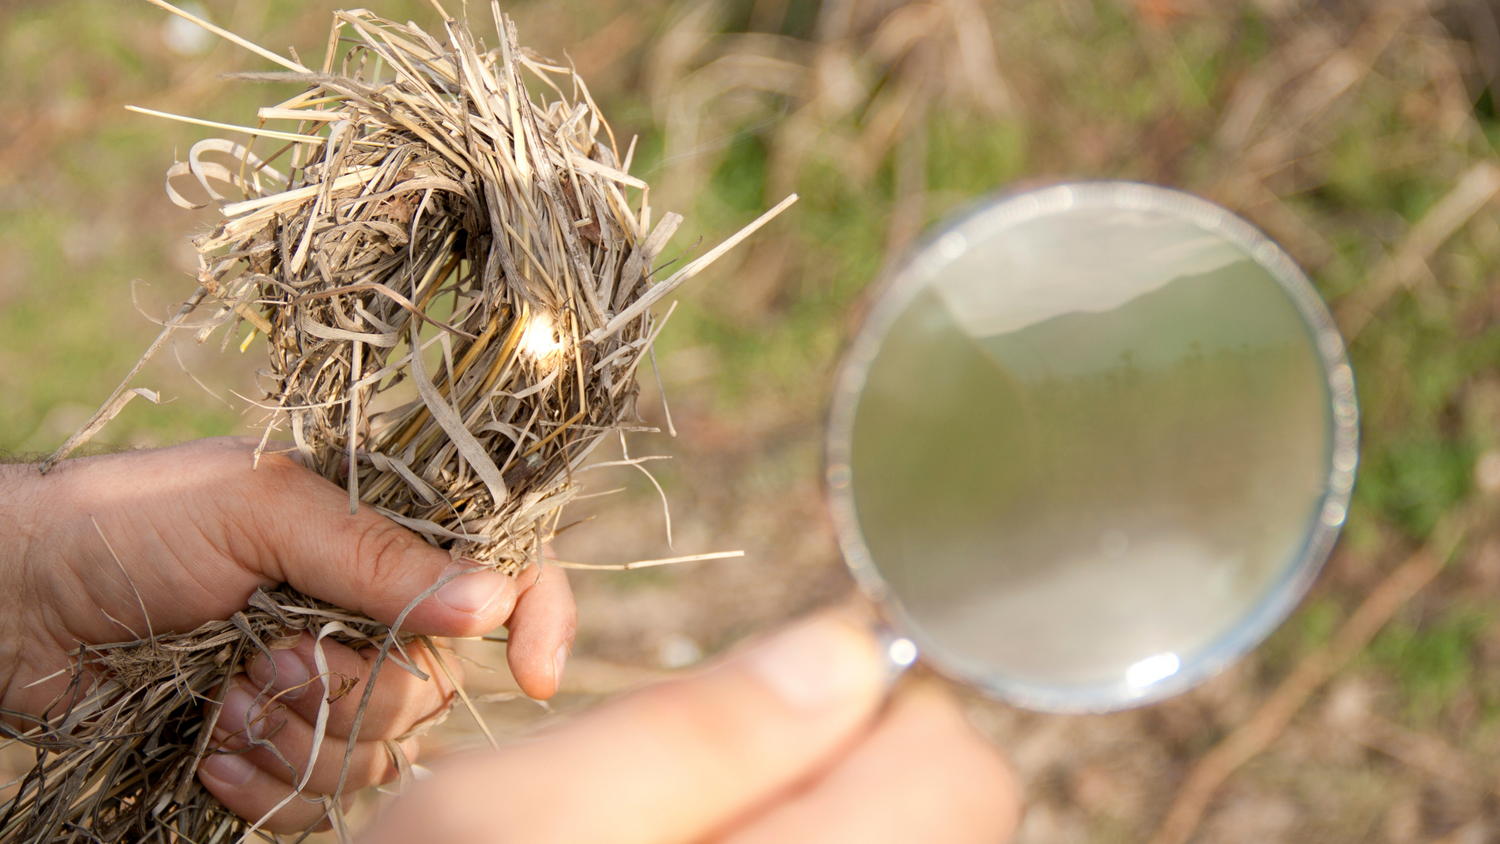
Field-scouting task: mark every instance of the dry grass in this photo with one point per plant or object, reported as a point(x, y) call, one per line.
point(453, 276)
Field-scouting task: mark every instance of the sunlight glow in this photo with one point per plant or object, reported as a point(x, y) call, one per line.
point(540, 339)
point(1153, 669)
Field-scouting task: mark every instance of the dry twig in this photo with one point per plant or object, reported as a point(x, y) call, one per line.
point(1273, 716)
point(1408, 263)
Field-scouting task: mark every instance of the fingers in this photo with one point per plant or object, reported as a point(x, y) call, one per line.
point(924, 774)
point(670, 763)
point(400, 701)
point(249, 722)
point(542, 628)
point(215, 528)
point(200, 526)
point(252, 783)
point(278, 703)
point(250, 792)
point(362, 561)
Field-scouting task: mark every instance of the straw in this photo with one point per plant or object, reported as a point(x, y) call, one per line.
point(455, 297)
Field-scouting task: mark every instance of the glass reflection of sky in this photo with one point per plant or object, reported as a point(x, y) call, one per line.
point(1096, 441)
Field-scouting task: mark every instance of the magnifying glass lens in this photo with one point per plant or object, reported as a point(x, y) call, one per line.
point(1092, 452)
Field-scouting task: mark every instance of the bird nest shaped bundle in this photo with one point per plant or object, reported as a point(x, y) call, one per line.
point(456, 297)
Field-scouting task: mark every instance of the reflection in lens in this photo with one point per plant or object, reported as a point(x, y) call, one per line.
point(1089, 449)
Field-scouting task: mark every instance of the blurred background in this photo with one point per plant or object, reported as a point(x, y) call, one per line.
point(1360, 135)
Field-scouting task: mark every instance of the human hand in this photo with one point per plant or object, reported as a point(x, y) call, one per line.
point(196, 532)
point(784, 741)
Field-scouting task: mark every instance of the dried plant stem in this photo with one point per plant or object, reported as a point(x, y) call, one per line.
point(1408, 263)
point(642, 564)
point(1271, 719)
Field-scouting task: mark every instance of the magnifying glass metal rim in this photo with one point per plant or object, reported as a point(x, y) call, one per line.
point(929, 259)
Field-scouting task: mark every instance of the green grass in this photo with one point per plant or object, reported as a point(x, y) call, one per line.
point(1432, 663)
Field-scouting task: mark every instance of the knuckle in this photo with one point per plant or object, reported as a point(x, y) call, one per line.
point(280, 466)
point(366, 769)
point(391, 713)
point(381, 551)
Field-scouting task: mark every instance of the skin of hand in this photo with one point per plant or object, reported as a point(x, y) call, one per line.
point(796, 738)
point(194, 531)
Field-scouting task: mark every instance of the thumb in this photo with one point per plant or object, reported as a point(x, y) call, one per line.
point(673, 762)
point(364, 561)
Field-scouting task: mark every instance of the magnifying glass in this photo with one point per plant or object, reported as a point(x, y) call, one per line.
point(1092, 443)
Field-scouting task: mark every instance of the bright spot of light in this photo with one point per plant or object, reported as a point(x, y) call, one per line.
point(1152, 669)
point(540, 340)
point(903, 652)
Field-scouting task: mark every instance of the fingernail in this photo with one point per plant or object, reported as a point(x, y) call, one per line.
point(476, 593)
point(559, 659)
point(284, 673)
point(237, 718)
point(817, 664)
point(228, 768)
